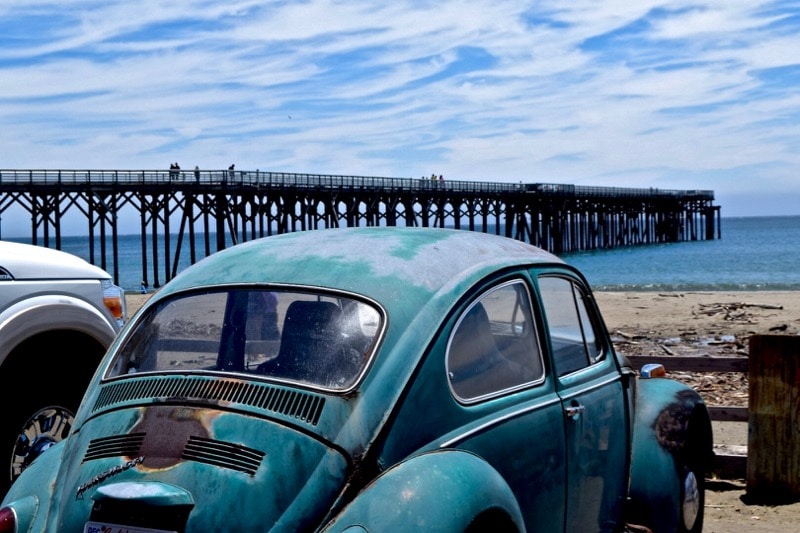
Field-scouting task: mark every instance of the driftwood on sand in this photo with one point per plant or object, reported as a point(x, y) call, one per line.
point(733, 310)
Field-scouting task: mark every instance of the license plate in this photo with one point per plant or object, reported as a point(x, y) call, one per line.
point(103, 527)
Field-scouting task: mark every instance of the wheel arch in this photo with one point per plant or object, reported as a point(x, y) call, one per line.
point(672, 427)
point(46, 315)
point(443, 490)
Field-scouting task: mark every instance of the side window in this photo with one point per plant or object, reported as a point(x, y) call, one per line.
point(493, 347)
point(572, 334)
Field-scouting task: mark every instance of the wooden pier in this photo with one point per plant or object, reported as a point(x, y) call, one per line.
point(237, 206)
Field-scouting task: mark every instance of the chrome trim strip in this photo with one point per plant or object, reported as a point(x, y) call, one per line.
point(479, 429)
point(610, 379)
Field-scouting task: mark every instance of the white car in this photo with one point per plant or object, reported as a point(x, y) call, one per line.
point(58, 315)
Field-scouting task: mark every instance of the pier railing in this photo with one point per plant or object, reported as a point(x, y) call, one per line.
point(259, 178)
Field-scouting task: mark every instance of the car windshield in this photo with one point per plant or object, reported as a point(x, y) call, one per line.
point(319, 339)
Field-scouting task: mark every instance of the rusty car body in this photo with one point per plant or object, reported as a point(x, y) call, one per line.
point(372, 379)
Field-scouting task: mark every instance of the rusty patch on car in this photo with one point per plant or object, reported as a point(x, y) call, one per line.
point(167, 430)
point(671, 425)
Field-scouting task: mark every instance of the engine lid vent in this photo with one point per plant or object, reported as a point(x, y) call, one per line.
point(223, 454)
point(115, 446)
point(302, 406)
point(199, 449)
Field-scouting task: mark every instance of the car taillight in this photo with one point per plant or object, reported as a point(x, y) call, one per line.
point(114, 300)
point(8, 520)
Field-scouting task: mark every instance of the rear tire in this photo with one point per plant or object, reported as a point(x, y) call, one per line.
point(692, 501)
point(33, 427)
point(695, 458)
point(46, 427)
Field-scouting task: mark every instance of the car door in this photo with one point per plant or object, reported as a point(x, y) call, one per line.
point(496, 372)
point(593, 403)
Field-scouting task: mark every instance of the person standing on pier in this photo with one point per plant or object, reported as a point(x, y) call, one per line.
point(174, 171)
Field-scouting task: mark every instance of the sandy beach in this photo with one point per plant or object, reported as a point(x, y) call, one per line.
point(701, 314)
point(699, 324)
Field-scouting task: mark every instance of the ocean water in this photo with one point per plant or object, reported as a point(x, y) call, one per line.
point(754, 253)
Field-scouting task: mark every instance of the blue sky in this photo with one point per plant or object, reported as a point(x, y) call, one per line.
point(679, 94)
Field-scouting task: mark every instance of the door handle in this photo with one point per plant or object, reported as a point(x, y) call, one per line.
point(574, 411)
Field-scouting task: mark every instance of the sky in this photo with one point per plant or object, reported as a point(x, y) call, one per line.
point(678, 95)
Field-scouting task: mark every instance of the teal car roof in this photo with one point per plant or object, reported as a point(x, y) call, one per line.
point(382, 263)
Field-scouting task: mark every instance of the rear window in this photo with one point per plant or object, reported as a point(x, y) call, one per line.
point(316, 339)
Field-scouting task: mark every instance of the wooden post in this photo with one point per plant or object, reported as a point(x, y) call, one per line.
point(773, 443)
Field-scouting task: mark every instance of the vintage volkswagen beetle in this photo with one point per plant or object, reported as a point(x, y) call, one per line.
point(374, 379)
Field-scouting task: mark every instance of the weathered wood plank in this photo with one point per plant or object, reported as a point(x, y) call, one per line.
point(727, 414)
point(693, 364)
point(773, 465)
point(729, 466)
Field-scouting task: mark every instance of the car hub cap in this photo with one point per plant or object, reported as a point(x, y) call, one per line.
point(691, 500)
point(45, 428)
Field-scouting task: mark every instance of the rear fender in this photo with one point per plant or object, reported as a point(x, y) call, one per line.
point(444, 490)
point(36, 488)
point(671, 426)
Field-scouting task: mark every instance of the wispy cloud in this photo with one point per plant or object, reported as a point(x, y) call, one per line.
point(680, 94)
